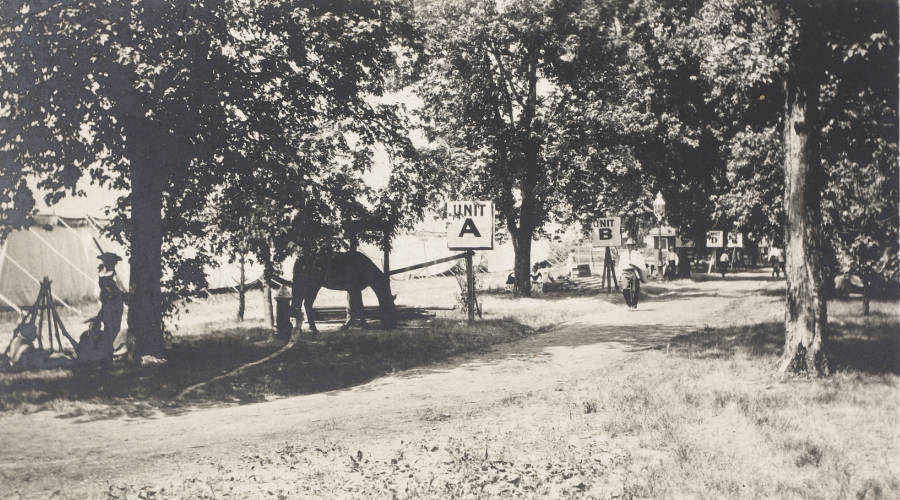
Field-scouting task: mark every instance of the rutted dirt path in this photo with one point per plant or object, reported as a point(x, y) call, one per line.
point(71, 455)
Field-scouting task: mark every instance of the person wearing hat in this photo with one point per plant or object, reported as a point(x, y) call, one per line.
point(112, 305)
point(631, 268)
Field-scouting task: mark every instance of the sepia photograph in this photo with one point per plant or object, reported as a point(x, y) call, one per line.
point(449, 249)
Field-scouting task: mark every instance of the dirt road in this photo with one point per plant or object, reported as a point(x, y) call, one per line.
point(79, 458)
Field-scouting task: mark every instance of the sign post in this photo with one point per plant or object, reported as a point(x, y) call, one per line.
point(470, 226)
point(470, 286)
point(607, 232)
point(714, 239)
point(735, 241)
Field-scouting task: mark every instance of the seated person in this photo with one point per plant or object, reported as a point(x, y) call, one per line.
point(24, 356)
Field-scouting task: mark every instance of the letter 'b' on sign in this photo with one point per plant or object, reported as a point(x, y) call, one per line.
point(470, 225)
point(607, 232)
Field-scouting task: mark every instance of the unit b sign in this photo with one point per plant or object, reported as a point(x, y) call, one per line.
point(470, 225)
point(607, 232)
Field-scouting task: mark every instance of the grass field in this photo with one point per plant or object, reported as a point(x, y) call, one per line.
point(699, 415)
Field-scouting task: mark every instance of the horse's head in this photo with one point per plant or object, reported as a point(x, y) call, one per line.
point(389, 312)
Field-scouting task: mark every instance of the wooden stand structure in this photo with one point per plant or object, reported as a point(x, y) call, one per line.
point(470, 286)
point(43, 307)
point(470, 276)
point(609, 273)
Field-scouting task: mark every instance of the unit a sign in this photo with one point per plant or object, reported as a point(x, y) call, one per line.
point(470, 225)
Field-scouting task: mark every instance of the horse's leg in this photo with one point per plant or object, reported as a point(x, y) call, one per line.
point(310, 314)
point(297, 310)
point(355, 310)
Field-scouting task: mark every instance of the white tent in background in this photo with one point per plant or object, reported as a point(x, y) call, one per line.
point(61, 249)
point(226, 276)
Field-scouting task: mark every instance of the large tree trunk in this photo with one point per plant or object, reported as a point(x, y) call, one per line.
point(806, 316)
point(525, 233)
point(522, 267)
point(529, 210)
point(145, 325)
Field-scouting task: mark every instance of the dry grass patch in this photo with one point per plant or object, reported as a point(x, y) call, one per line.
point(684, 422)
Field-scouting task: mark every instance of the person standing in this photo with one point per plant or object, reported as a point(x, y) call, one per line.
point(98, 342)
point(773, 260)
point(671, 264)
point(631, 268)
point(724, 261)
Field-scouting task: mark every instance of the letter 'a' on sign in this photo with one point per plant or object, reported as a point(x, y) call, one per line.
point(606, 232)
point(470, 225)
point(715, 239)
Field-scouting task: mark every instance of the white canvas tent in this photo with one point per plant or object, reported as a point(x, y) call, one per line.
point(61, 249)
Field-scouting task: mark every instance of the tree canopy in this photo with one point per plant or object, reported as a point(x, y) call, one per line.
point(180, 103)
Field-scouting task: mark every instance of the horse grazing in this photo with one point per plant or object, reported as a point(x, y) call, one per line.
point(349, 271)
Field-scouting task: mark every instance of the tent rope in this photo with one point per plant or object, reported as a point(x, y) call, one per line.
point(2, 297)
point(67, 306)
point(57, 252)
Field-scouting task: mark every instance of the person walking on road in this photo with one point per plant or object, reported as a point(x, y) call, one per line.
point(776, 259)
point(724, 261)
point(631, 272)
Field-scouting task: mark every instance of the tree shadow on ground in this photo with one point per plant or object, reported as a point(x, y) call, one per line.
point(343, 360)
point(748, 275)
point(649, 292)
point(334, 360)
point(871, 347)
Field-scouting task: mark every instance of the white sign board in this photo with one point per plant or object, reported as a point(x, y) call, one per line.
point(735, 240)
point(715, 239)
point(470, 225)
point(607, 232)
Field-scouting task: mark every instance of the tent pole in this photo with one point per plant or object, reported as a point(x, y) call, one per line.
point(67, 306)
point(93, 223)
point(40, 325)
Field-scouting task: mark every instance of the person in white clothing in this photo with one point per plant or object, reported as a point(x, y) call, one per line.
point(671, 264)
point(631, 268)
point(776, 259)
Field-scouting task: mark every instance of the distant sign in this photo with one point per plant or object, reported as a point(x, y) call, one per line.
point(735, 240)
point(681, 242)
point(715, 239)
point(470, 225)
point(607, 232)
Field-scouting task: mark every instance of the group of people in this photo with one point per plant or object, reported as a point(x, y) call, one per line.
point(96, 344)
